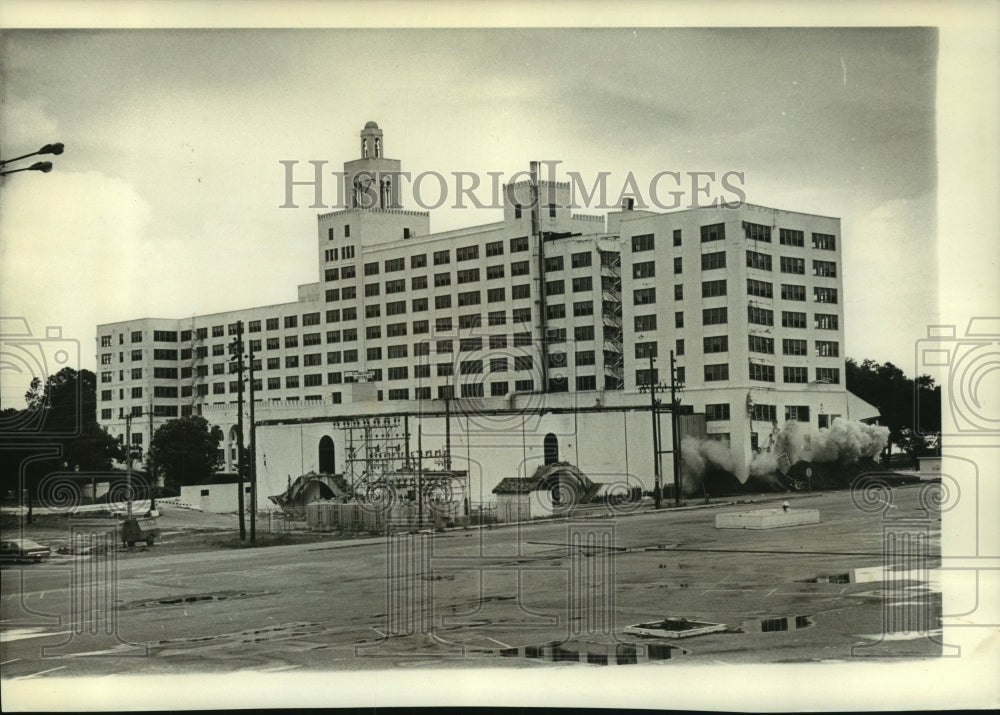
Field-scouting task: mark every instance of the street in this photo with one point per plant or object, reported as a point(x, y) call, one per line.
point(494, 597)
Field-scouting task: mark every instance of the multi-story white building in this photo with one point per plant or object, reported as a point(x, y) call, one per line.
point(547, 309)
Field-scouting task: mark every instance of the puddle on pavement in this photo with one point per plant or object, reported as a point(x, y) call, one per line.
point(675, 628)
point(594, 653)
point(190, 599)
point(775, 625)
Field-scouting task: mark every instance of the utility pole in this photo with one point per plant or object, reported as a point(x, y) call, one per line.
point(253, 459)
point(238, 355)
point(420, 475)
point(675, 431)
point(656, 435)
point(152, 463)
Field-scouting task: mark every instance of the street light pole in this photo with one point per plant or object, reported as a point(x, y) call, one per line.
point(253, 457)
point(656, 436)
point(42, 166)
point(675, 431)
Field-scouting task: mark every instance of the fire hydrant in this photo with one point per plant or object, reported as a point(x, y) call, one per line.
point(785, 506)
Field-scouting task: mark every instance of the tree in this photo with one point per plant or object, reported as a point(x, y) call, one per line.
point(907, 406)
point(185, 450)
point(61, 416)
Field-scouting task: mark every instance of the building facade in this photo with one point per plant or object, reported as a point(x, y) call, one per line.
point(546, 309)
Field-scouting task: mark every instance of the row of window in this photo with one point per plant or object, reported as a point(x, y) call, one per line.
point(720, 412)
point(752, 231)
point(763, 289)
point(754, 259)
point(716, 372)
point(755, 315)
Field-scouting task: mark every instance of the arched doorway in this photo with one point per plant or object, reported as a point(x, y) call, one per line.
point(327, 456)
point(551, 447)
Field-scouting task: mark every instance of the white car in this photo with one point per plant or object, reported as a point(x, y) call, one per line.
point(20, 550)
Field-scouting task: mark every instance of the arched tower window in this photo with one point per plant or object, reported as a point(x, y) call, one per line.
point(551, 446)
point(378, 147)
point(364, 148)
point(386, 201)
point(327, 456)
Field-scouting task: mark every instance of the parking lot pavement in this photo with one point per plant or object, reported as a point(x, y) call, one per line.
point(806, 593)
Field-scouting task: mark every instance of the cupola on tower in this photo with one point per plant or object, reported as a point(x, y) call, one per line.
point(373, 180)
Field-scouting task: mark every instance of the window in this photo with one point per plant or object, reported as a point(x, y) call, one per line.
point(522, 339)
point(396, 308)
point(643, 296)
point(586, 382)
point(291, 321)
point(395, 330)
point(467, 345)
point(494, 248)
point(581, 260)
point(348, 271)
point(470, 367)
point(760, 316)
point(218, 350)
point(644, 351)
point(521, 315)
point(555, 288)
point(496, 317)
point(647, 377)
point(644, 270)
point(373, 311)
point(642, 243)
point(418, 261)
point(373, 332)
point(553, 263)
point(790, 319)
point(790, 346)
point(825, 268)
point(678, 265)
point(679, 347)
point(467, 253)
point(394, 264)
point(761, 289)
point(829, 375)
point(442, 301)
point(524, 385)
point(520, 268)
point(679, 291)
point(714, 316)
point(795, 374)
point(789, 237)
point(422, 348)
point(312, 339)
point(761, 261)
point(273, 383)
point(163, 336)
point(399, 393)
point(374, 353)
point(470, 275)
point(442, 279)
point(291, 361)
point(799, 413)
point(398, 373)
point(826, 348)
point(761, 344)
point(793, 292)
point(582, 284)
point(714, 232)
point(825, 295)
point(493, 272)
point(332, 295)
point(372, 290)
point(395, 286)
point(137, 336)
point(757, 232)
point(419, 305)
point(710, 261)
point(715, 344)
point(292, 381)
point(761, 373)
point(273, 343)
point(583, 332)
point(644, 323)
point(826, 322)
point(519, 244)
point(824, 241)
point(106, 359)
point(714, 373)
point(442, 257)
point(421, 327)
point(793, 265)
point(371, 269)
point(333, 357)
point(470, 321)
point(584, 357)
point(555, 312)
point(472, 390)
point(677, 237)
point(765, 413)
point(350, 314)
point(679, 319)
point(218, 331)
point(443, 324)
point(717, 412)
point(313, 380)
point(418, 282)
point(524, 362)
point(711, 289)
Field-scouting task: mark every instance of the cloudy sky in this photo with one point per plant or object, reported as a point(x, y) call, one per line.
point(166, 200)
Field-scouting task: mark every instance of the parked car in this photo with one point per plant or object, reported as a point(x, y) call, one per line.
point(20, 550)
